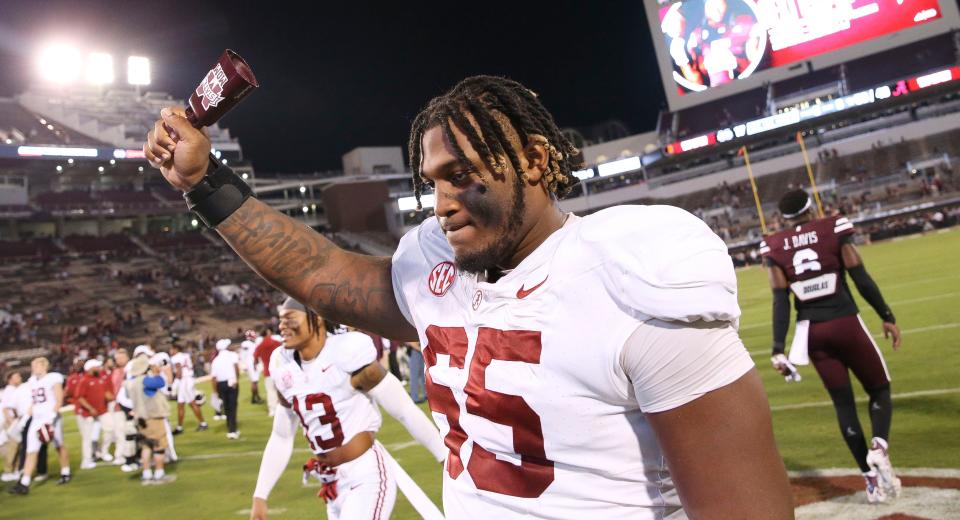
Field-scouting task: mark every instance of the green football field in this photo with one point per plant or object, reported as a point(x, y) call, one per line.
point(215, 477)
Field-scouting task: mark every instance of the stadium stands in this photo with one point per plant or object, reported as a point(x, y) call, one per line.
point(113, 243)
point(18, 125)
point(120, 117)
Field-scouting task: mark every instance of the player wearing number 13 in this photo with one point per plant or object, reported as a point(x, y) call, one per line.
point(331, 385)
point(810, 258)
point(577, 367)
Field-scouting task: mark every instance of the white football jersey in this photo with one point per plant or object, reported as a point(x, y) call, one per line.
point(330, 409)
point(524, 375)
point(43, 397)
point(186, 364)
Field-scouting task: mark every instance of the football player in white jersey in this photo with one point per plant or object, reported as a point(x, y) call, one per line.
point(247, 348)
point(184, 388)
point(331, 385)
point(578, 367)
point(46, 393)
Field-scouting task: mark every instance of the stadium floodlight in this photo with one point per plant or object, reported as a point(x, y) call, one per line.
point(138, 70)
point(55, 151)
point(99, 68)
point(59, 63)
point(620, 166)
point(427, 200)
point(583, 174)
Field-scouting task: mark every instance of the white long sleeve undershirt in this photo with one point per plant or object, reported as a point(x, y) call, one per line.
point(276, 455)
point(391, 395)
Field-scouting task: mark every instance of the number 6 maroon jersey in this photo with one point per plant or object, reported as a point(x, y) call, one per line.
point(524, 376)
point(809, 255)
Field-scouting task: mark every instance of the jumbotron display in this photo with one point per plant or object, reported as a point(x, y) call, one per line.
point(714, 42)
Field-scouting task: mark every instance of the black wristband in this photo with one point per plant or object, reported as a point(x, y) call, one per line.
point(779, 347)
point(887, 316)
point(218, 194)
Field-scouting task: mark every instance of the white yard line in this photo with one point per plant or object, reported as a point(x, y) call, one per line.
point(903, 472)
point(893, 303)
point(397, 446)
point(766, 351)
point(902, 395)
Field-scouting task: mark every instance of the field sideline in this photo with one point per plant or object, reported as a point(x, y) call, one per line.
point(215, 477)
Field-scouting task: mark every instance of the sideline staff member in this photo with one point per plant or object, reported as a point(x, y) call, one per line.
point(225, 370)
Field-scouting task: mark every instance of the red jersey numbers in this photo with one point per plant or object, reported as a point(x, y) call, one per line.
point(329, 417)
point(441, 278)
point(451, 342)
point(535, 472)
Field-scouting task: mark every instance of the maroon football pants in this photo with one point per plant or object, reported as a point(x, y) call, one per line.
point(843, 344)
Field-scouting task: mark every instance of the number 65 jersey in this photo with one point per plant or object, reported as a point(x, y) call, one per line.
point(524, 376)
point(809, 255)
point(319, 391)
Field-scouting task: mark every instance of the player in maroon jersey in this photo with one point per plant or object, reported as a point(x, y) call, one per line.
point(811, 257)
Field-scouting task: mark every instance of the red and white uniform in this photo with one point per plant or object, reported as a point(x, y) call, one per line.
point(43, 410)
point(331, 412)
point(248, 362)
point(184, 388)
point(526, 376)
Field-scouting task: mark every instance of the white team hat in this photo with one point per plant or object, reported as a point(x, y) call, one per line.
point(143, 349)
point(223, 344)
point(158, 359)
point(91, 364)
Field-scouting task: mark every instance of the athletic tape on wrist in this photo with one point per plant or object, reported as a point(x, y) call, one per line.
point(217, 195)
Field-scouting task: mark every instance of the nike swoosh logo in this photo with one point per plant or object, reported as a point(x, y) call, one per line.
point(523, 293)
point(324, 369)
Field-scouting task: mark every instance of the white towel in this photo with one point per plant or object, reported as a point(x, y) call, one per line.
point(798, 349)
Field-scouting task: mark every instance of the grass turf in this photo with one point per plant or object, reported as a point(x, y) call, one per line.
point(215, 477)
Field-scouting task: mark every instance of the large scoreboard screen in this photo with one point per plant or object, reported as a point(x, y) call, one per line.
point(711, 43)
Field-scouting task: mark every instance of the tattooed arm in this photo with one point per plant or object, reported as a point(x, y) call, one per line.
point(342, 286)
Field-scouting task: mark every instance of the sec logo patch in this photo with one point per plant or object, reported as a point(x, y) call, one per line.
point(441, 278)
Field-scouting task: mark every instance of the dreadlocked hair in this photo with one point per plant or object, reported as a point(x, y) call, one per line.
point(495, 103)
point(313, 324)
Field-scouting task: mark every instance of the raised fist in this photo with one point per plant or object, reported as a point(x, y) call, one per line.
point(177, 149)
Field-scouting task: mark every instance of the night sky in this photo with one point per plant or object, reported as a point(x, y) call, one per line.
point(345, 74)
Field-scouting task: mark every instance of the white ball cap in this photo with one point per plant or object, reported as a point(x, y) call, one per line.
point(223, 344)
point(157, 359)
point(91, 364)
point(142, 349)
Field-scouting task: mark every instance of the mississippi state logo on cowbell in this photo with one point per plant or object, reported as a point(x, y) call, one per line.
point(441, 278)
point(211, 88)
